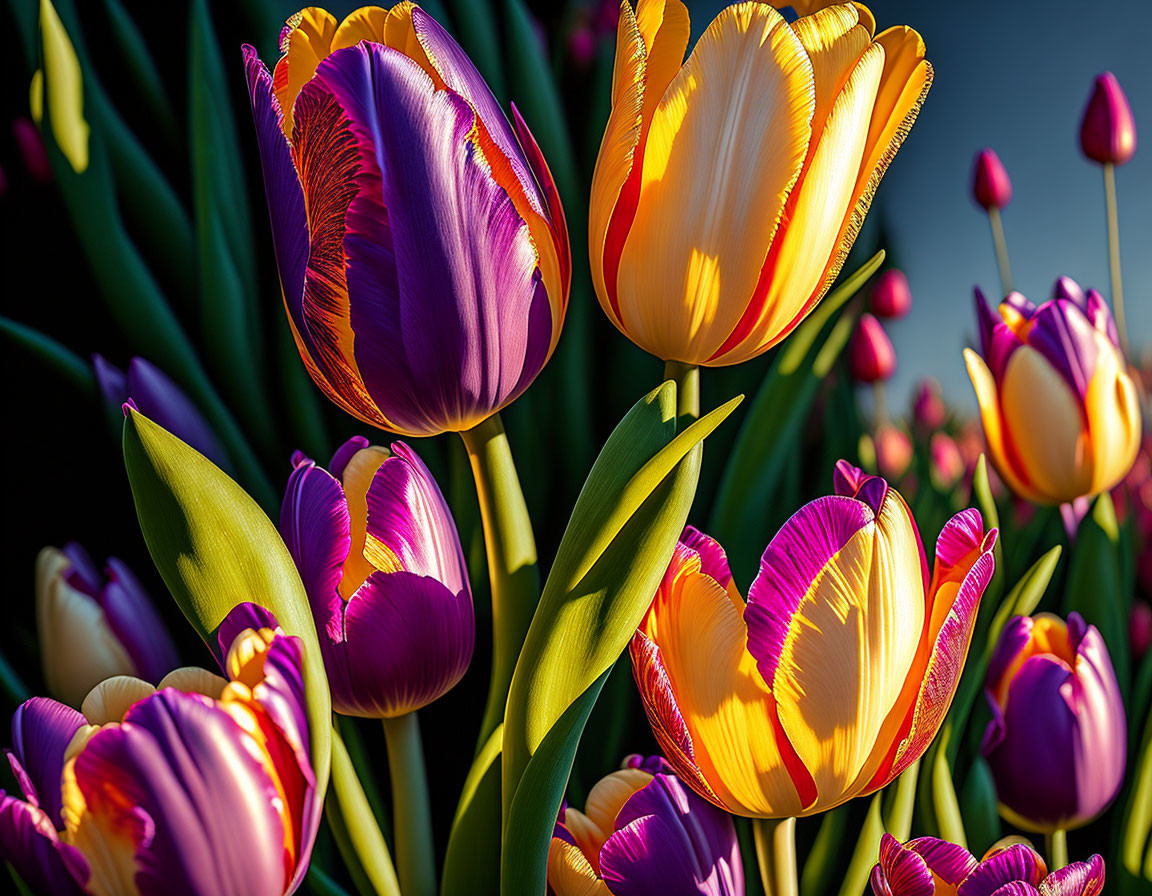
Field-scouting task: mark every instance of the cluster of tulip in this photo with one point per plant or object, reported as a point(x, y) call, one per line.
point(422, 252)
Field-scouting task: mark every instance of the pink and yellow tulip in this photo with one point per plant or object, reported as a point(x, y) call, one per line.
point(836, 673)
point(1061, 414)
point(202, 786)
point(729, 188)
point(420, 241)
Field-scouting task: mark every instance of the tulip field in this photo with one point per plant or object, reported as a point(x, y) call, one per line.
point(457, 458)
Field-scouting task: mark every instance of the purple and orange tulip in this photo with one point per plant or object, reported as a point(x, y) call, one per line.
point(928, 866)
point(95, 625)
point(379, 556)
point(729, 188)
point(836, 673)
point(419, 236)
point(1061, 413)
point(1057, 741)
point(643, 832)
point(203, 784)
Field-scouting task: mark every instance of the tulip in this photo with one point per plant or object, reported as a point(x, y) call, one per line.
point(928, 866)
point(1057, 740)
point(729, 189)
point(838, 671)
point(202, 785)
point(947, 463)
point(1108, 131)
point(991, 187)
point(419, 237)
point(643, 832)
point(93, 626)
point(893, 451)
point(871, 357)
point(379, 556)
point(891, 296)
point(157, 397)
point(928, 408)
point(1061, 414)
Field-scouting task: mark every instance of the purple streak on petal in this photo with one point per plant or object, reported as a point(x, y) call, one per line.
point(28, 841)
point(793, 560)
point(206, 808)
point(847, 479)
point(84, 575)
point(949, 862)
point(1067, 288)
point(158, 397)
point(713, 560)
point(900, 871)
point(557, 221)
point(997, 341)
point(1014, 638)
point(461, 77)
point(41, 732)
point(654, 764)
point(1016, 888)
point(445, 307)
point(111, 379)
point(1062, 333)
point(344, 454)
point(960, 536)
point(408, 640)
point(1077, 879)
point(1100, 315)
point(133, 619)
point(1016, 863)
point(1021, 304)
point(282, 190)
point(1100, 749)
point(243, 616)
point(408, 514)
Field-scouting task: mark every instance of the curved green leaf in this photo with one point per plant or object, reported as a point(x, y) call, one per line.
point(215, 548)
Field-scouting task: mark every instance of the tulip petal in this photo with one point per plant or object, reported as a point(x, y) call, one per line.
point(243, 616)
point(740, 107)
point(901, 871)
point(135, 622)
point(569, 872)
point(158, 397)
point(407, 641)
point(949, 862)
point(995, 433)
point(305, 42)
point(41, 732)
point(1016, 888)
point(1112, 408)
point(441, 304)
point(409, 518)
point(1017, 863)
point(29, 842)
point(713, 560)
point(1077, 879)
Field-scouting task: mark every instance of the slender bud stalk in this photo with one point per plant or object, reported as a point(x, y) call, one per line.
point(776, 853)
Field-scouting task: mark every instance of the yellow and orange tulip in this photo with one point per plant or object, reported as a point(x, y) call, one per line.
point(729, 188)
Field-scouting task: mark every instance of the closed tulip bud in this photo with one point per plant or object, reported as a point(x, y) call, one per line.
point(1057, 740)
point(1061, 414)
point(157, 397)
point(1108, 131)
point(871, 357)
point(928, 866)
point(928, 408)
point(893, 451)
point(947, 463)
point(419, 236)
point(991, 187)
point(202, 786)
point(379, 556)
point(582, 46)
point(837, 672)
point(642, 831)
point(730, 188)
point(891, 296)
point(94, 625)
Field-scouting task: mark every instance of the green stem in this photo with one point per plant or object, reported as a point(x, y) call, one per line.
point(1057, 844)
point(776, 853)
point(411, 815)
point(687, 379)
point(511, 550)
point(10, 681)
point(1001, 250)
point(321, 884)
point(880, 401)
point(1114, 254)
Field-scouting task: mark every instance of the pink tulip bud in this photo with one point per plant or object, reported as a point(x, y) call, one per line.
point(1140, 629)
point(893, 451)
point(947, 463)
point(991, 187)
point(582, 46)
point(891, 296)
point(32, 151)
point(1108, 132)
point(928, 408)
point(870, 353)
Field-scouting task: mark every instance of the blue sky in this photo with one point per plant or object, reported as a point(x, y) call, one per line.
point(1013, 76)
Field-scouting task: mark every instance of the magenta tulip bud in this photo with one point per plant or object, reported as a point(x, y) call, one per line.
point(870, 353)
point(891, 296)
point(1108, 132)
point(32, 151)
point(582, 46)
point(893, 451)
point(1140, 630)
point(947, 462)
point(928, 408)
point(991, 187)
point(1057, 741)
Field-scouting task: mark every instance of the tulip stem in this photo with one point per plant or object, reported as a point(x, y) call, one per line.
point(1001, 249)
point(411, 816)
point(1057, 843)
point(776, 853)
point(880, 402)
point(1114, 255)
point(511, 551)
point(687, 380)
